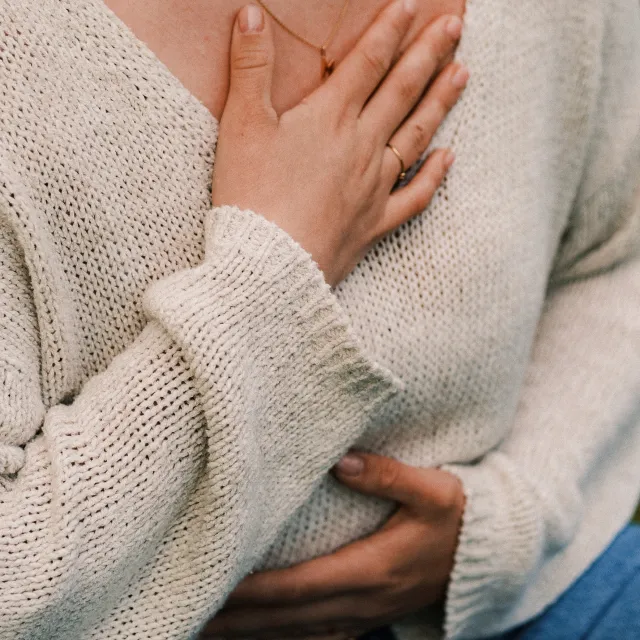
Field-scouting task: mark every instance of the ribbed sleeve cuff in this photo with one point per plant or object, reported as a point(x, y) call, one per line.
point(273, 357)
point(498, 548)
point(253, 264)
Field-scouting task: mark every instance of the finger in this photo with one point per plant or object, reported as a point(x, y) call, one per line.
point(321, 617)
point(358, 75)
point(416, 133)
point(388, 478)
point(251, 63)
point(406, 82)
point(414, 198)
point(355, 567)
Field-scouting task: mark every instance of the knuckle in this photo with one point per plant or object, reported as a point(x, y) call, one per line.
point(448, 494)
point(446, 100)
point(387, 475)
point(411, 80)
point(442, 49)
point(431, 56)
point(397, 25)
point(407, 89)
point(374, 61)
point(444, 43)
point(431, 180)
point(421, 135)
point(437, 45)
point(439, 109)
point(431, 120)
point(387, 578)
point(250, 58)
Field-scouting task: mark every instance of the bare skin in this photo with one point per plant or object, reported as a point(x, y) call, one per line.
point(192, 39)
point(375, 581)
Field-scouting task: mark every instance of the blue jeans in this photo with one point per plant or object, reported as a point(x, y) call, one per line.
point(603, 604)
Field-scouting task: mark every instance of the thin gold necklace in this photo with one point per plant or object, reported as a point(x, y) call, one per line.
point(327, 64)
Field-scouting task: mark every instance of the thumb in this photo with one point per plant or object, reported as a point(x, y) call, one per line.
point(251, 61)
point(414, 487)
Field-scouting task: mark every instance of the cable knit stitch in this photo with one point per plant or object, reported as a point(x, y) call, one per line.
point(176, 380)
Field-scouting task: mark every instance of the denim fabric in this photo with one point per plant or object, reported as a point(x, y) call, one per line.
point(603, 604)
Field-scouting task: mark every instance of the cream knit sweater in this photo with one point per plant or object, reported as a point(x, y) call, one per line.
point(176, 380)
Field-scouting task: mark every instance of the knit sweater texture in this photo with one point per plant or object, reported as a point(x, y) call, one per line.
point(176, 380)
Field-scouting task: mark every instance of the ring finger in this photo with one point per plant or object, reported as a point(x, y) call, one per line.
point(415, 134)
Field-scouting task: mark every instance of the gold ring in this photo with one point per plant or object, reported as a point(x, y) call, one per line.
point(403, 173)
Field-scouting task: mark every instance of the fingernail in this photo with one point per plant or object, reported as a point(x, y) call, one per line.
point(460, 78)
point(251, 19)
point(454, 27)
point(409, 6)
point(449, 159)
point(350, 465)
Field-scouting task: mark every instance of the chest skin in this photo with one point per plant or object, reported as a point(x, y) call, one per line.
point(192, 39)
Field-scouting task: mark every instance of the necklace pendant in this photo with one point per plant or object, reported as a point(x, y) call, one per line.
point(327, 65)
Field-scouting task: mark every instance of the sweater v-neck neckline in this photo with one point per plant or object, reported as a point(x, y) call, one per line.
point(138, 48)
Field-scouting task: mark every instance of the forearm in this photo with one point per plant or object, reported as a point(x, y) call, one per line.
point(241, 391)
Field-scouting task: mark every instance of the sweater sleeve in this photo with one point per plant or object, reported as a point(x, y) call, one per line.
point(244, 387)
point(575, 434)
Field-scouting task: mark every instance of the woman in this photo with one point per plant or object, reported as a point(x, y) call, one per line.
point(443, 312)
point(188, 365)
